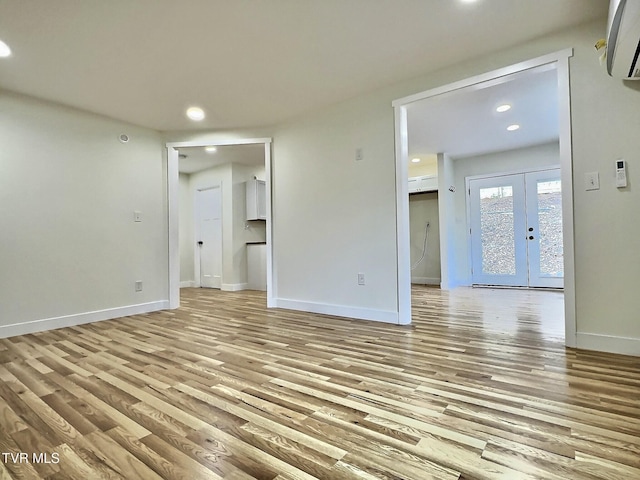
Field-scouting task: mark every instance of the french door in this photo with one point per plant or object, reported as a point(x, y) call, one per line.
point(516, 230)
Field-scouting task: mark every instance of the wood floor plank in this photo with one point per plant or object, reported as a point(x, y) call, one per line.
point(479, 387)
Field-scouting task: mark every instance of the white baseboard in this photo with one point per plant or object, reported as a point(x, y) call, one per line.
point(338, 310)
point(188, 284)
point(233, 287)
point(425, 280)
point(80, 318)
point(608, 343)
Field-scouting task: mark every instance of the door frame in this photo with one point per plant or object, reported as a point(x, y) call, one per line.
point(197, 252)
point(173, 194)
point(561, 61)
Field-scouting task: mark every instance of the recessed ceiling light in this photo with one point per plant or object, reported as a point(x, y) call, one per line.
point(195, 113)
point(513, 128)
point(503, 108)
point(210, 149)
point(415, 160)
point(5, 51)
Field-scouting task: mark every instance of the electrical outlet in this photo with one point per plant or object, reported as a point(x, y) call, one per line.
point(361, 279)
point(138, 286)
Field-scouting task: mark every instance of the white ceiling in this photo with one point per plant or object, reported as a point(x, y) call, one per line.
point(465, 122)
point(250, 62)
point(197, 159)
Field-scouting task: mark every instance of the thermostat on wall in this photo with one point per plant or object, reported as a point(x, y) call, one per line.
point(621, 173)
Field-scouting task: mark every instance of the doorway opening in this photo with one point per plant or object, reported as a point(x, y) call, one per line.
point(455, 165)
point(206, 182)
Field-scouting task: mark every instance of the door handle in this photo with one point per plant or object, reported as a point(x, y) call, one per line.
point(200, 244)
point(531, 229)
point(530, 237)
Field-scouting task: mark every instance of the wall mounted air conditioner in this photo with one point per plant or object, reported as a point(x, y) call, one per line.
point(623, 39)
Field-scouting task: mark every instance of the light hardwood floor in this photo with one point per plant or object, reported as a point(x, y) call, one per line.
point(479, 387)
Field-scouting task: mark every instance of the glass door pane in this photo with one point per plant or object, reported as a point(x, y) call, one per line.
point(498, 243)
point(544, 222)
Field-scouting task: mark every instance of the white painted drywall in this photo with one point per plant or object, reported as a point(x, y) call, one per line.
point(448, 218)
point(427, 166)
point(68, 192)
point(334, 216)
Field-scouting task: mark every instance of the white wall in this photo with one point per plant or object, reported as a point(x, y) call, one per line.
point(423, 207)
point(334, 217)
point(68, 190)
point(531, 158)
point(447, 216)
point(428, 166)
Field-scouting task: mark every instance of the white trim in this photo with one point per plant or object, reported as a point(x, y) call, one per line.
point(80, 318)
point(173, 208)
point(426, 280)
point(561, 59)
point(173, 194)
point(218, 143)
point(384, 316)
point(566, 174)
point(510, 172)
point(271, 272)
point(403, 246)
point(188, 284)
point(486, 77)
point(234, 287)
point(608, 343)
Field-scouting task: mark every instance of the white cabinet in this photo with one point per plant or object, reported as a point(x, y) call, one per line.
point(257, 266)
point(427, 183)
point(256, 200)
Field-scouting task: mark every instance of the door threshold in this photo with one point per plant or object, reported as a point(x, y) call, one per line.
point(515, 287)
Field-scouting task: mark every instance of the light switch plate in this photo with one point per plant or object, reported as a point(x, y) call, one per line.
point(592, 181)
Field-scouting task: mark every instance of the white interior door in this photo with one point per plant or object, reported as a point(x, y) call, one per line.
point(516, 230)
point(209, 237)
